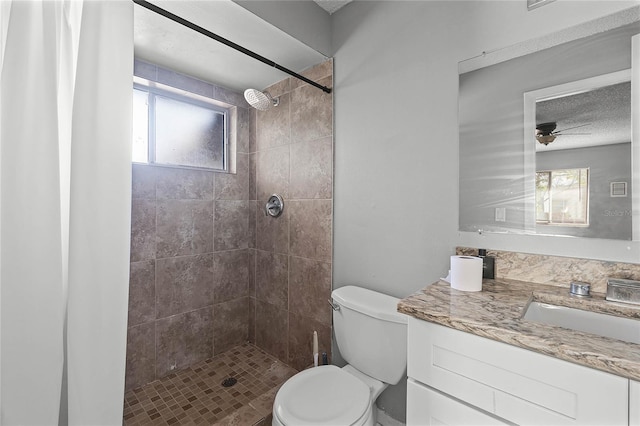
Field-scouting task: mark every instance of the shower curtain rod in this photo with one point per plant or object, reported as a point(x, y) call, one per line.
point(226, 42)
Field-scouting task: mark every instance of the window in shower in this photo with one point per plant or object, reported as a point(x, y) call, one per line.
point(172, 128)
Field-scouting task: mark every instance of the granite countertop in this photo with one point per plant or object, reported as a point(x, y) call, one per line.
point(496, 312)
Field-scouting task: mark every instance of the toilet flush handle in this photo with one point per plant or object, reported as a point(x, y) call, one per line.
point(334, 305)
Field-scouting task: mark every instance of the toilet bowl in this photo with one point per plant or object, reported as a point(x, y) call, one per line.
point(371, 336)
point(325, 395)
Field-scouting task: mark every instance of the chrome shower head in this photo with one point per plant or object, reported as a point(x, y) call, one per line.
point(260, 100)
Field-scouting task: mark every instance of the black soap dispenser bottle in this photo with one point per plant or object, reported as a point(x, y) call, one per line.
point(488, 264)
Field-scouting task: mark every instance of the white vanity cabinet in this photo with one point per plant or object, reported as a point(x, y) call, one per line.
point(634, 403)
point(428, 407)
point(460, 378)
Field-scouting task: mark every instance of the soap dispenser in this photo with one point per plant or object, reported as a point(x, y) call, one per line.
point(488, 264)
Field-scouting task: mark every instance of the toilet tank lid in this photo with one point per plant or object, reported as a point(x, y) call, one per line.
point(369, 302)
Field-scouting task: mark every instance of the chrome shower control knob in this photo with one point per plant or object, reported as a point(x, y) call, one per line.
point(578, 288)
point(274, 206)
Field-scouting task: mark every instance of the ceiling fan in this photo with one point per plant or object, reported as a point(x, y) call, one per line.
point(547, 133)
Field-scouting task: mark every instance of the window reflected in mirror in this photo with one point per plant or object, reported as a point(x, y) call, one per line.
point(562, 197)
point(576, 115)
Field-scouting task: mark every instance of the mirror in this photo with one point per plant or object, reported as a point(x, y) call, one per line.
point(577, 146)
point(498, 157)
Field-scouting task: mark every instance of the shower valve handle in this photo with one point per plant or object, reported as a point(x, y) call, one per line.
point(274, 206)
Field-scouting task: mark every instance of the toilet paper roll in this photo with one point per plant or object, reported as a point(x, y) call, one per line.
point(466, 273)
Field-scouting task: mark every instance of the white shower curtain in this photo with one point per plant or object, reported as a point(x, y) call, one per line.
point(65, 191)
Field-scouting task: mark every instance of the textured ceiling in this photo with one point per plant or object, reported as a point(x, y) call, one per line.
point(596, 117)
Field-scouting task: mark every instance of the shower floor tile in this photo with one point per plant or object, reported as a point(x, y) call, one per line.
point(196, 396)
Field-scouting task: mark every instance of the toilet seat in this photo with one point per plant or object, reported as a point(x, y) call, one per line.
point(320, 396)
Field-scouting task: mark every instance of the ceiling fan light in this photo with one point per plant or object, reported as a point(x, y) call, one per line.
point(545, 139)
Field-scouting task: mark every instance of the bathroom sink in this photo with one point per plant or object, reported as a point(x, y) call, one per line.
point(625, 329)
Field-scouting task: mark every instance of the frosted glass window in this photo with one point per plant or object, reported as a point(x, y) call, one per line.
point(176, 130)
point(188, 134)
point(140, 153)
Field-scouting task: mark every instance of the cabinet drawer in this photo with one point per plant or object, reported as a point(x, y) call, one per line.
point(426, 407)
point(634, 403)
point(518, 385)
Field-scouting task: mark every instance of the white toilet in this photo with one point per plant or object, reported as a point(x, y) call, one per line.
point(372, 338)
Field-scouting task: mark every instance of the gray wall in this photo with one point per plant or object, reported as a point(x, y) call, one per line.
point(396, 131)
point(303, 20)
point(396, 127)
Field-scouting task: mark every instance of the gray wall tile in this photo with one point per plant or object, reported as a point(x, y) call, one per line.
point(229, 96)
point(280, 88)
point(311, 113)
point(174, 209)
point(300, 169)
point(143, 230)
point(143, 182)
point(188, 326)
point(311, 223)
point(183, 284)
point(251, 234)
point(272, 324)
point(184, 227)
point(316, 73)
point(272, 173)
point(231, 277)
point(243, 131)
point(141, 355)
point(309, 285)
point(230, 324)
point(234, 186)
point(300, 341)
point(252, 319)
point(273, 125)
point(231, 218)
point(183, 339)
point(184, 184)
point(252, 177)
point(312, 169)
point(252, 129)
point(272, 234)
point(252, 254)
point(142, 292)
point(272, 278)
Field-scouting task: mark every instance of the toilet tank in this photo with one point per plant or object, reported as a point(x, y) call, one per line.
point(371, 334)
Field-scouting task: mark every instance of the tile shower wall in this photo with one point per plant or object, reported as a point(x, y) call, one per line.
point(189, 296)
point(292, 155)
point(208, 270)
